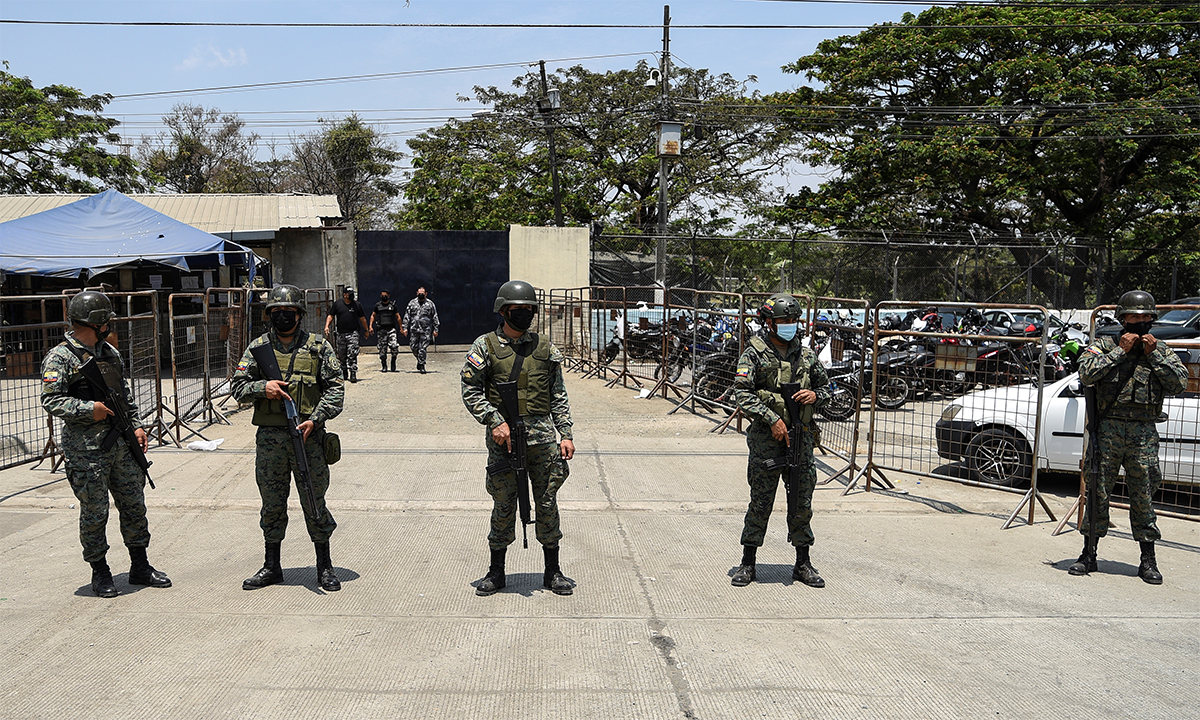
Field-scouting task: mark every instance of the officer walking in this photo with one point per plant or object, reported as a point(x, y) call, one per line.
point(420, 326)
point(95, 473)
point(313, 380)
point(509, 353)
point(1132, 376)
point(384, 322)
point(350, 318)
point(776, 356)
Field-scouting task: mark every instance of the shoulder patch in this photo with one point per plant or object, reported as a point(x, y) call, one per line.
point(475, 359)
point(243, 366)
point(743, 371)
point(50, 376)
point(1093, 350)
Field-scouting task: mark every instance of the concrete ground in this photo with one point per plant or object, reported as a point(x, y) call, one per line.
point(931, 609)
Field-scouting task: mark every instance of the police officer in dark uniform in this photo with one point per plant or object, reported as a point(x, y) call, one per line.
point(1132, 376)
point(95, 473)
point(385, 323)
point(313, 380)
point(775, 357)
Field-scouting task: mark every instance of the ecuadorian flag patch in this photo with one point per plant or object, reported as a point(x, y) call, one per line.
point(743, 371)
point(475, 359)
point(243, 365)
point(1093, 350)
point(50, 376)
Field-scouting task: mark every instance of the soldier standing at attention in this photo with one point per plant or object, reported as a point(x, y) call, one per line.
point(350, 317)
point(543, 405)
point(761, 371)
point(93, 472)
point(313, 380)
point(420, 326)
point(384, 321)
point(1132, 376)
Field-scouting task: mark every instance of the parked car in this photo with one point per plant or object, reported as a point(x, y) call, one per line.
point(1001, 317)
point(992, 431)
point(1182, 324)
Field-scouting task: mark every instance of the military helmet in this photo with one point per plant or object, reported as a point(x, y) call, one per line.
point(780, 305)
point(285, 296)
point(1136, 301)
point(90, 308)
point(515, 292)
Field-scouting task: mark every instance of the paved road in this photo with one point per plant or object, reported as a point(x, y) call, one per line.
point(931, 610)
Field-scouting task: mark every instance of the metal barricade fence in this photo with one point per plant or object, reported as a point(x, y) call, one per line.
point(604, 307)
point(974, 396)
point(1178, 494)
point(137, 330)
point(716, 338)
point(189, 364)
point(317, 302)
point(32, 325)
point(840, 339)
point(228, 335)
point(565, 312)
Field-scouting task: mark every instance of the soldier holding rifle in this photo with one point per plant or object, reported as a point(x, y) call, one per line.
point(1128, 380)
point(772, 359)
point(532, 364)
point(102, 440)
point(312, 381)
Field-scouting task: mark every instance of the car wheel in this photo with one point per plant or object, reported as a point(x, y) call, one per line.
point(999, 457)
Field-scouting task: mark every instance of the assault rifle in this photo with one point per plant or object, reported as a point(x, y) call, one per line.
point(798, 416)
point(516, 459)
point(264, 355)
point(122, 425)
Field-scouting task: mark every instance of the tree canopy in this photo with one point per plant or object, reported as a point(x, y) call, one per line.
point(495, 170)
point(201, 151)
point(351, 160)
point(51, 137)
point(1017, 122)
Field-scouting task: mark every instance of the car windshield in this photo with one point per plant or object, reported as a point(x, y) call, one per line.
point(1035, 317)
point(1177, 317)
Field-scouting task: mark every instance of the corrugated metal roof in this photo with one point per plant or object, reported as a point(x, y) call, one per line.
point(210, 213)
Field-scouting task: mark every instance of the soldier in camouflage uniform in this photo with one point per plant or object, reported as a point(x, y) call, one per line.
point(420, 326)
point(1132, 376)
point(775, 357)
point(313, 379)
point(542, 393)
point(93, 472)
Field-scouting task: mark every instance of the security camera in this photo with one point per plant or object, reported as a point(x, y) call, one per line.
point(655, 79)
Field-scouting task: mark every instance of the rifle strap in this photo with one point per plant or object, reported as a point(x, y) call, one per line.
point(516, 369)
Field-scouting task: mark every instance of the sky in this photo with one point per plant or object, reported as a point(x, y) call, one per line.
point(439, 63)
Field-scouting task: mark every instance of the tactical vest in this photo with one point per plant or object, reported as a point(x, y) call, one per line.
point(533, 384)
point(1130, 393)
point(302, 383)
point(772, 374)
point(385, 314)
point(109, 364)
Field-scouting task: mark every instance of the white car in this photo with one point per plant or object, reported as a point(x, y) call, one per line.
point(992, 431)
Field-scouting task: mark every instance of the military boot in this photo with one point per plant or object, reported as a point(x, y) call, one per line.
point(745, 572)
point(493, 582)
point(1148, 569)
point(141, 573)
point(102, 581)
point(393, 363)
point(553, 577)
point(382, 364)
point(270, 574)
point(1087, 559)
point(804, 571)
point(421, 368)
point(325, 574)
point(353, 376)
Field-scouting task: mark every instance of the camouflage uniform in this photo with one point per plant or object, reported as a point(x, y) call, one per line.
point(420, 322)
point(760, 372)
point(92, 472)
point(385, 332)
point(274, 460)
point(547, 470)
point(1127, 436)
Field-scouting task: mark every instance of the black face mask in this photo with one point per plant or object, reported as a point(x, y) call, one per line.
point(520, 318)
point(1139, 329)
point(100, 334)
point(283, 320)
point(420, 297)
point(383, 298)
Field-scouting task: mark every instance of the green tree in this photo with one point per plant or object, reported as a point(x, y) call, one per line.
point(202, 151)
point(495, 170)
point(51, 137)
point(352, 161)
point(1018, 122)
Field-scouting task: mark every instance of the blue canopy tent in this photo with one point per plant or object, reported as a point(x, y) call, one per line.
point(106, 231)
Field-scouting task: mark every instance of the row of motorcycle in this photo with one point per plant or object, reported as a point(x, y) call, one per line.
point(907, 367)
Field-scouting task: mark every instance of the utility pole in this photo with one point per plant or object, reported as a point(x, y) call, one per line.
point(660, 259)
point(546, 105)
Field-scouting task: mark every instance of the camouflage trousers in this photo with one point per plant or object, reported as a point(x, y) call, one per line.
point(347, 351)
point(418, 342)
point(94, 474)
point(1134, 445)
point(387, 342)
point(764, 483)
point(547, 473)
point(274, 463)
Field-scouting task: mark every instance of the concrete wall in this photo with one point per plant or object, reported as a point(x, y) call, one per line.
point(315, 258)
point(548, 257)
